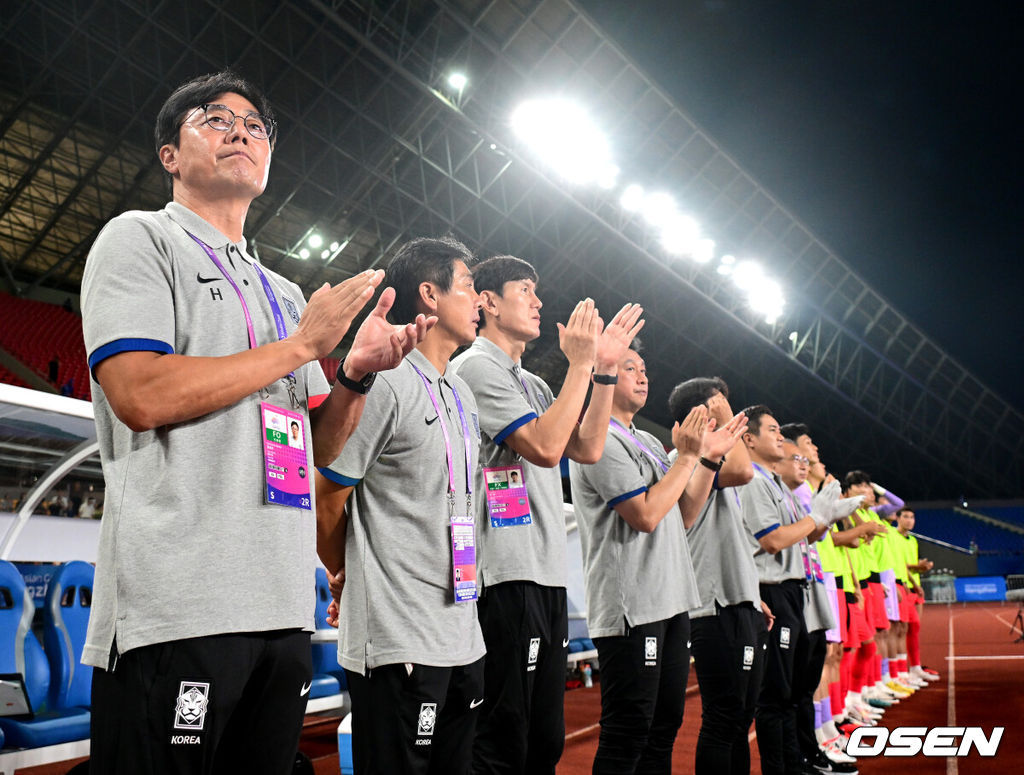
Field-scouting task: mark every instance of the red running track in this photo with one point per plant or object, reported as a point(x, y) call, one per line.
point(984, 687)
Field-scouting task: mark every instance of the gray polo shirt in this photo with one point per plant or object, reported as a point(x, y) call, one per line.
point(187, 546)
point(534, 552)
point(398, 602)
point(766, 508)
point(629, 576)
point(722, 559)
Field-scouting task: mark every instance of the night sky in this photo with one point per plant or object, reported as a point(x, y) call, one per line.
point(888, 128)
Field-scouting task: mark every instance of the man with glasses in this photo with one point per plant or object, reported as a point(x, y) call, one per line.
point(202, 360)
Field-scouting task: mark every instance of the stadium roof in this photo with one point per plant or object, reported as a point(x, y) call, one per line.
point(378, 146)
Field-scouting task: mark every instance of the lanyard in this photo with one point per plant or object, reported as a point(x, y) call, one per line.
point(448, 440)
point(517, 372)
point(638, 444)
point(275, 308)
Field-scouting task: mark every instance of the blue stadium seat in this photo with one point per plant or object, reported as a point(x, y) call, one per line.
point(325, 655)
point(21, 653)
point(65, 620)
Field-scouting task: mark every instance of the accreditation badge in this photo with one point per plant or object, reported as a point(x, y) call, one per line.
point(507, 501)
point(463, 533)
point(287, 471)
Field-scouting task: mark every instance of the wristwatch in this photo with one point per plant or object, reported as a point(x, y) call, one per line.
point(606, 379)
point(361, 387)
point(710, 464)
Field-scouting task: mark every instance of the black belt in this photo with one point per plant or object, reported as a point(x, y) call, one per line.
point(874, 578)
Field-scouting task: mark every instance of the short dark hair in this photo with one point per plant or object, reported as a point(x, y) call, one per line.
point(637, 345)
point(492, 274)
point(422, 260)
point(694, 392)
point(199, 91)
point(900, 511)
point(855, 477)
point(794, 430)
point(754, 414)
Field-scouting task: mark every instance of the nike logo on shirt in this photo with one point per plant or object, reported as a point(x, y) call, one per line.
point(475, 704)
point(565, 643)
point(305, 689)
point(202, 279)
point(429, 422)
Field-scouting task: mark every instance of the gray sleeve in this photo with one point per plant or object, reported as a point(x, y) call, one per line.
point(128, 291)
point(616, 477)
point(503, 408)
point(376, 428)
point(760, 512)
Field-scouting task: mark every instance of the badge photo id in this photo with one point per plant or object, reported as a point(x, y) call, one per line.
point(287, 472)
point(507, 501)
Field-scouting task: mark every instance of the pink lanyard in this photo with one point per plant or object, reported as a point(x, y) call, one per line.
point(448, 440)
point(638, 444)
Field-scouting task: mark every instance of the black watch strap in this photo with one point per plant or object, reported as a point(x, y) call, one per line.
point(606, 379)
point(711, 464)
point(361, 387)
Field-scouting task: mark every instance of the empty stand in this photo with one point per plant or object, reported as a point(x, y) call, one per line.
point(35, 331)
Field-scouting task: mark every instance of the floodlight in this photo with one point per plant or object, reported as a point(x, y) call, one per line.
point(325, 254)
point(680, 235)
point(303, 254)
point(632, 198)
point(766, 297)
point(457, 81)
point(659, 208)
point(334, 246)
point(562, 135)
point(747, 275)
point(315, 241)
point(793, 336)
point(704, 251)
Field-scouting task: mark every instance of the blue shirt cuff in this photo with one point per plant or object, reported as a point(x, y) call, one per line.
point(513, 426)
point(761, 534)
point(334, 476)
point(625, 497)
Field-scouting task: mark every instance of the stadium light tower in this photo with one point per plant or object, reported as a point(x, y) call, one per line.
point(561, 133)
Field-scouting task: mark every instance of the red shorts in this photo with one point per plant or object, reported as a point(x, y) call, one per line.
point(874, 606)
point(843, 623)
point(912, 600)
point(857, 630)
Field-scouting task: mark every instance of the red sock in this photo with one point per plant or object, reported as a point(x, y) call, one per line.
point(846, 672)
point(894, 668)
point(835, 696)
point(876, 668)
point(914, 643)
point(862, 666)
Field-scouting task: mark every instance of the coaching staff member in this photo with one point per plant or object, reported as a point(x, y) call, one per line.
point(204, 597)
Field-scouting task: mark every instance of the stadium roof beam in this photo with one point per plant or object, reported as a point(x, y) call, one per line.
point(376, 149)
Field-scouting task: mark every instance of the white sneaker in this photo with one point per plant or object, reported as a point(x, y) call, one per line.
point(835, 754)
point(922, 675)
point(862, 718)
point(911, 680)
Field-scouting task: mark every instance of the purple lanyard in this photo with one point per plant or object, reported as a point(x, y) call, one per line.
point(517, 372)
point(275, 308)
point(638, 444)
point(448, 440)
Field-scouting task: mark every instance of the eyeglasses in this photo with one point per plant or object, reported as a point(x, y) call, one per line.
point(222, 118)
point(799, 459)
